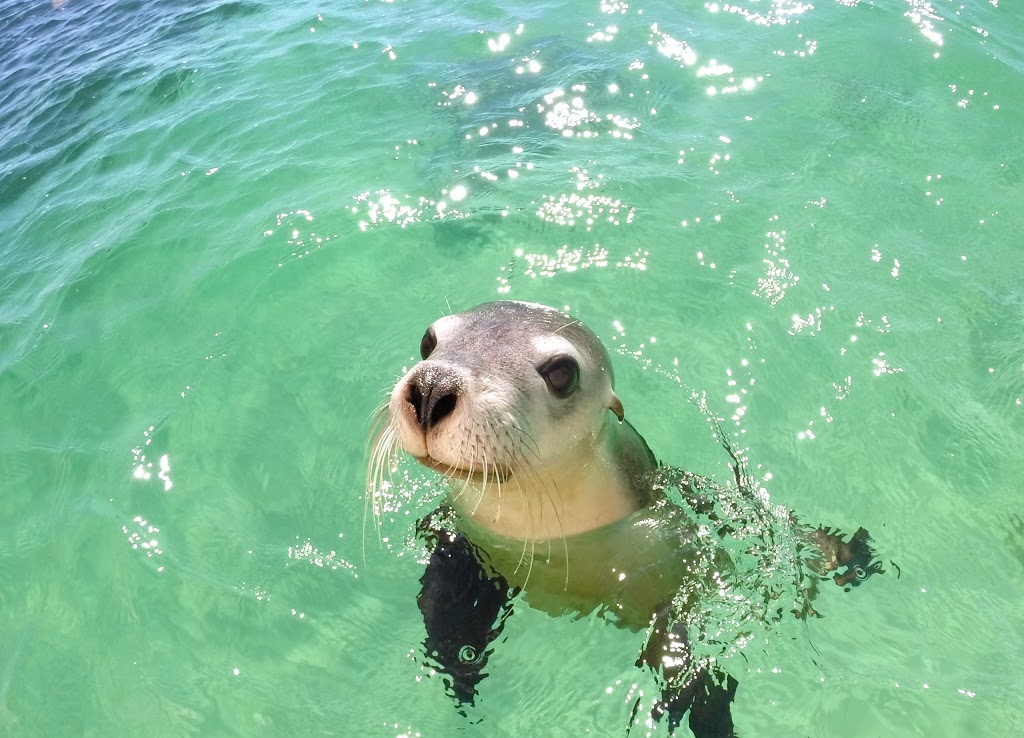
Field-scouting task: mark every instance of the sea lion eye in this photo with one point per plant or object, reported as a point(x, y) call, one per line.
point(562, 375)
point(428, 343)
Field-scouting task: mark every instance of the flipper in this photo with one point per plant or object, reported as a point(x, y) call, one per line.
point(702, 690)
point(464, 607)
point(856, 555)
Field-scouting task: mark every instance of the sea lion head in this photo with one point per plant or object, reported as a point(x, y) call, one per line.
point(514, 402)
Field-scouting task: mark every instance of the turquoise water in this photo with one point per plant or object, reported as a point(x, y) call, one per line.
point(227, 225)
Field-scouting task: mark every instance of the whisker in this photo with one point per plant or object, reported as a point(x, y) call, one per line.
point(528, 542)
point(533, 556)
point(489, 425)
point(467, 481)
point(570, 324)
point(526, 443)
point(522, 554)
point(381, 462)
point(555, 500)
point(379, 413)
point(492, 432)
point(484, 478)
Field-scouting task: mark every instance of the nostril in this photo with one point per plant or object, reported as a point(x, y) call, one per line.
point(416, 400)
point(442, 408)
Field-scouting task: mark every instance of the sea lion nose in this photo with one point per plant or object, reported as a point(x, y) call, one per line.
point(433, 394)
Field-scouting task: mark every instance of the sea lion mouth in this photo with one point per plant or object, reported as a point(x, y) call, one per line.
point(491, 473)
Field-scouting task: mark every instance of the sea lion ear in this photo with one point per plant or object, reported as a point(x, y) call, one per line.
point(615, 405)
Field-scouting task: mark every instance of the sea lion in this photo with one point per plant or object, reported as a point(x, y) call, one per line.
point(551, 494)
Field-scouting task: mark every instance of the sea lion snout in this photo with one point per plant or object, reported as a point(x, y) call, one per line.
point(433, 391)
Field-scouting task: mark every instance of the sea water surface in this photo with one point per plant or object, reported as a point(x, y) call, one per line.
point(226, 225)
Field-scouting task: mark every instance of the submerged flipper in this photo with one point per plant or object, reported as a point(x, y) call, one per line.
point(856, 555)
point(464, 607)
point(703, 691)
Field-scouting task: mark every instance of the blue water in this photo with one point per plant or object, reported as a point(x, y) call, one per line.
point(227, 225)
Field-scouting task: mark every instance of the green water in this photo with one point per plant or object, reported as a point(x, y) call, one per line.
point(227, 225)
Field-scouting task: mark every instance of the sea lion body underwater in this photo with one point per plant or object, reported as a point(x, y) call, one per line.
point(550, 494)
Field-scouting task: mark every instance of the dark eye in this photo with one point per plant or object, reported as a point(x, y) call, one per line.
point(428, 343)
point(562, 374)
